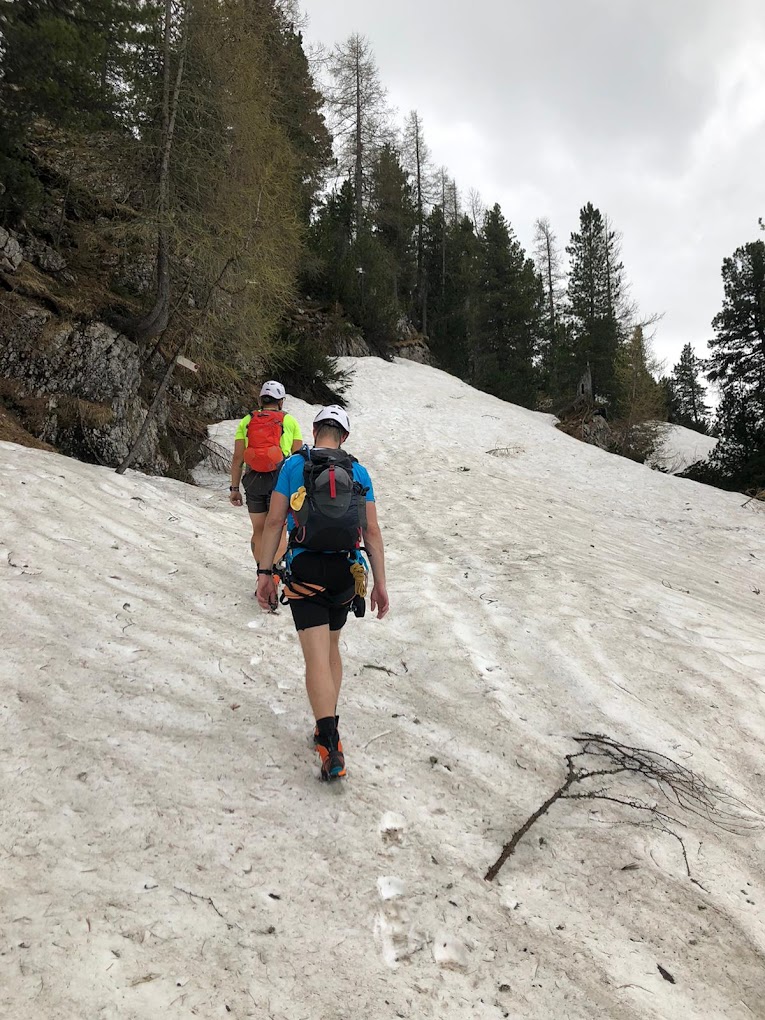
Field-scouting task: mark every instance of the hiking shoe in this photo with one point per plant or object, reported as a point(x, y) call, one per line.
point(316, 737)
point(332, 762)
point(332, 758)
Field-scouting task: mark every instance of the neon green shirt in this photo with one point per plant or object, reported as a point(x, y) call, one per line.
point(290, 432)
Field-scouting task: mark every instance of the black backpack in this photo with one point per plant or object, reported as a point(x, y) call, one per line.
point(332, 512)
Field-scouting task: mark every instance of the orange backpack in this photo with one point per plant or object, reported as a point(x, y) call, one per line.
point(263, 452)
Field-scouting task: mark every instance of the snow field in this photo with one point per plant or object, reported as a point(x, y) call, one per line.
point(167, 848)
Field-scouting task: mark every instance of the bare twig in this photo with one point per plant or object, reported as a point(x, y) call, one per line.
point(380, 669)
point(205, 899)
point(378, 736)
point(676, 783)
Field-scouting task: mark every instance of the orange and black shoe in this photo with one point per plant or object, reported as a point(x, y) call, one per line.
point(332, 759)
point(316, 731)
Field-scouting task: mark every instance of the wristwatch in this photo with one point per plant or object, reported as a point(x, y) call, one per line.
point(234, 488)
point(269, 572)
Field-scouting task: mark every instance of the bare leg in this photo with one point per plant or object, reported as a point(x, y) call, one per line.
point(258, 522)
point(335, 663)
point(319, 679)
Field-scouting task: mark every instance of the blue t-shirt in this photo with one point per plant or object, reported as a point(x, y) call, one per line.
point(291, 479)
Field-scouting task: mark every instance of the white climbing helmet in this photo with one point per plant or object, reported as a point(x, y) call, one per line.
point(273, 389)
point(333, 413)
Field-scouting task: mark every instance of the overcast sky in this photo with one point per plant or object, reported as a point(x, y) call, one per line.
point(654, 110)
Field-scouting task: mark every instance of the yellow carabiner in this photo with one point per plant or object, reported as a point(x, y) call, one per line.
point(360, 579)
point(298, 498)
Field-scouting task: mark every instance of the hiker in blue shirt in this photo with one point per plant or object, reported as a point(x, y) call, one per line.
point(327, 498)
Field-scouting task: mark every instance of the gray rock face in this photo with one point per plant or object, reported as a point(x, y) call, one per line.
point(417, 351)
point(350, 345)
point(11, 255)
point(41, 254)
point(597, 432)
point(86, 379)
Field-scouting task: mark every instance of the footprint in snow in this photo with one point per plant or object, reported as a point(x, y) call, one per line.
point(449, 952)
point(392, 928)
point(392, 829)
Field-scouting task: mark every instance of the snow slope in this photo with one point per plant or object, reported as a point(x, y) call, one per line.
point(167, 849)
point(680, 447)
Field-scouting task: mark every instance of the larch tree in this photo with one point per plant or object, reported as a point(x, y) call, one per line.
point(641, 402)
point(417, 161)
point(356, 100)
point(558, 376)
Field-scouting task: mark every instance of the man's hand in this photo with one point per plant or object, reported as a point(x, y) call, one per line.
point(236, 497)
point(379, 600)
point(266, 593)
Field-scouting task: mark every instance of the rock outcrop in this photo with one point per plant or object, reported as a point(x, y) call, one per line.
point(11, 255)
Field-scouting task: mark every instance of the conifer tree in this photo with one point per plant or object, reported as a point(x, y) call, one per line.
point(393, 217)
point(452, 311)
point(687, 394)
point(509, 305)
point(595, 294)
point(66, 62)
point(418, 165)
point(557, 365)
point(737, 364)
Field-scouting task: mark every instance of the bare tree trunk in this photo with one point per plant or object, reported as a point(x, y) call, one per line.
point(608, 267)
point(359, 169)
point(443, 235)
point(155, 321)
point(550, 285)
point(151, 414)
point(420, 226)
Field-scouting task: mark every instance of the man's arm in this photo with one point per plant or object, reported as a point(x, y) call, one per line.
point(237, 463)
point(272, 533)
point(291, 424)
point(373, 543)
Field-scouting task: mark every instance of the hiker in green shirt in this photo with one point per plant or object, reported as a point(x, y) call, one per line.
point(264, 439)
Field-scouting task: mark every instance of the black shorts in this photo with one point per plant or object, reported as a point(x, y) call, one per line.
point(329, 572)
point(257, 490)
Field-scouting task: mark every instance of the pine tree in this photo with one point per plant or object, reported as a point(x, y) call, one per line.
point(738, 460)
point(509, 308)
point(452, 310)
point(393, 217)
point(595, 294)
point(738, 348)
point(687, 393)
point(330, 241)
point(65, 62)
point(737, 364)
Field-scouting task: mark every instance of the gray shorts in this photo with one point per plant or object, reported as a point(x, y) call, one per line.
point(257, 490)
